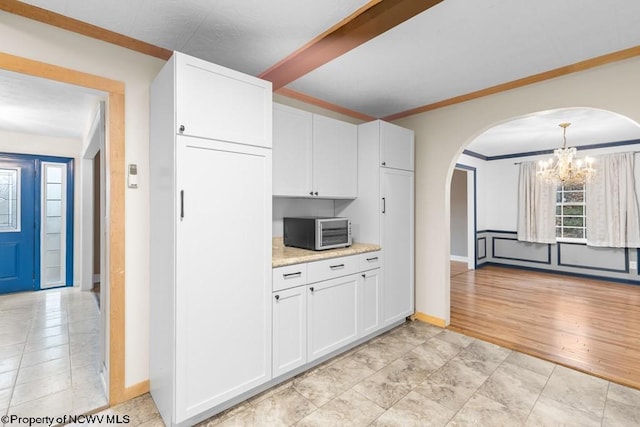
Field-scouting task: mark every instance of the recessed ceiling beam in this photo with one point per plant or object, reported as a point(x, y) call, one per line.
point(368, 22)
point(46, 16)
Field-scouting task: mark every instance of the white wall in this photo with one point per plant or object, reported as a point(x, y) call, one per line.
point(22, 143)
point(30, 39)
point(442, 134)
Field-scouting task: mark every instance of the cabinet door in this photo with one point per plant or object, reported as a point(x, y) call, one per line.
point(289, 329)
point(333, 315)
point(292, 129)
point(223, 272)
point(218, 103)
point(370, 302)
point(335, 158)
point(397, 243)
point(396, 146)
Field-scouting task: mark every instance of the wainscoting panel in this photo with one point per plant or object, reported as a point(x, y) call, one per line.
point(512, 249)
point(593, 258)
point(481, 247)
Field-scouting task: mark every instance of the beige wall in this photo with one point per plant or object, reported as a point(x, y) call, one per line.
point(33, 40)
point(442, 134)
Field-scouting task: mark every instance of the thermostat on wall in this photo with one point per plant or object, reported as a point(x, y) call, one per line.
point(132, 176)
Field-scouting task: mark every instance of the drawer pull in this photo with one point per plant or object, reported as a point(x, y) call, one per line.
point(375, 258)
point(292, 275)
point(277, 297)
point(311, 289)
point(337, 266)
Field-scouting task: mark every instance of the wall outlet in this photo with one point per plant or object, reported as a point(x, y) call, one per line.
point(633, 265)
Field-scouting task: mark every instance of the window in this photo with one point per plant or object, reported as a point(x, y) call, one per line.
point(570, 212)
point(10, 200)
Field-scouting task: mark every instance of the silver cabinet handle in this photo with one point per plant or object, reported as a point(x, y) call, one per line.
point(335, 267)
point(292, 275)
point(372, 259)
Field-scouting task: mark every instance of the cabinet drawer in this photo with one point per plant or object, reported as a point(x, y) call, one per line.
point(330, 268)
point(370, 260)
point(289, 276)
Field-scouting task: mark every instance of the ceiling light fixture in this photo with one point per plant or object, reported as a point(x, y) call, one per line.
point(563, 169)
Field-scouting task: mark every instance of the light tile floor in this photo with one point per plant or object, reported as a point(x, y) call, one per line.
point(49, 353)
point(420, 375)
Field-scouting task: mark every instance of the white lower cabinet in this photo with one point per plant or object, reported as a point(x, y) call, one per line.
point(333, 315)
point(289, 329)
point(370, 302)
point(323, 306)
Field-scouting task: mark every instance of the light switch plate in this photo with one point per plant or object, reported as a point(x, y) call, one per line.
point(633, 265)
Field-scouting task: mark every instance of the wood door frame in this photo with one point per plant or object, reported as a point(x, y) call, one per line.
point(115, 147)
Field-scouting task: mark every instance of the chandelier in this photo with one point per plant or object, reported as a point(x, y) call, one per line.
point(563, 169)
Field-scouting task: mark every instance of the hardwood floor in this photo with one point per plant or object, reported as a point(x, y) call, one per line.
point(589, 325)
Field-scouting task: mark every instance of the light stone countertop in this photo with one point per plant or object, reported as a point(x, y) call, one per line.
point(284, 255)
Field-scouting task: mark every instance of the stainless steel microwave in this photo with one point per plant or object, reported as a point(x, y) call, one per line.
point(317, 233)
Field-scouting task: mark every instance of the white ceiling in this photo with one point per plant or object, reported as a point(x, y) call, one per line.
point(43, 107)
point(541, 131)
point(453, 48)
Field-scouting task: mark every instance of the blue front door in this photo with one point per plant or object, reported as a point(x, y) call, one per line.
point(17, 225)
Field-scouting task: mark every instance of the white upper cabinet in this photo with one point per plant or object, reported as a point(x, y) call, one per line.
point(313, 155)
point(335, 158)
point(292, 133)
point(215, 102)
point(396, 146)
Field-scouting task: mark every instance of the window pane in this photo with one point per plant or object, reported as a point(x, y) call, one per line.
point(54, 208)
point(558, 196)
point(53, 242)
point(574, 197)
point(9, 200)
point(558, 210)
point(573, 210)
point(53, 275)
point(54, 173)
point(577, 233)
point(558, 221)
point(574, 187)
point(558, 232)
point(573, 221)
point(54, 191)
point(54, 224)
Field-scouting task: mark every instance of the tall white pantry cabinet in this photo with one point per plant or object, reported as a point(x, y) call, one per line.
point(383, 213)
point(210, 165)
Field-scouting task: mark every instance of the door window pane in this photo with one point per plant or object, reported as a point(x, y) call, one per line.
point(10, 200)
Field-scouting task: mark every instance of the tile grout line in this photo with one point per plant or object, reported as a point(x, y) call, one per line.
point(541, 391)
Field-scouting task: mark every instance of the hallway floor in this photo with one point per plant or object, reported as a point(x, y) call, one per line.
point(49, 352)
point(421, 375)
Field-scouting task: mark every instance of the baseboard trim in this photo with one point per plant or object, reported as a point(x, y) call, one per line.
point(459, 258)
point(431, 319)
point(136, 390)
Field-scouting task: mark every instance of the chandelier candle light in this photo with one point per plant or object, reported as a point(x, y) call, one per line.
point(563, 169)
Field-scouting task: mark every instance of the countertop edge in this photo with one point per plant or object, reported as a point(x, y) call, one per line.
point(282, 260)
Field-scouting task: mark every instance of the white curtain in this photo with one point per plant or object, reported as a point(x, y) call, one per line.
point(536, 206)
point(612, 205)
